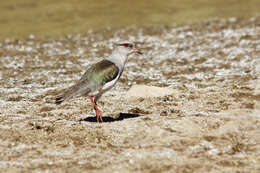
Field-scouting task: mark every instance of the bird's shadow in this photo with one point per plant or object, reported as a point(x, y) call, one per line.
point(121, 117)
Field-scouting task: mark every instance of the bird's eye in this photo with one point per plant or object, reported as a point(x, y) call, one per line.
point(130, 46)
point(127, 45)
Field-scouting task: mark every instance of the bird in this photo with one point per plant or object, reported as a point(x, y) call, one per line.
point(100, 77)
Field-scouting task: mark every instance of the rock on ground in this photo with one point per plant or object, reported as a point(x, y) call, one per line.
point(143, 91)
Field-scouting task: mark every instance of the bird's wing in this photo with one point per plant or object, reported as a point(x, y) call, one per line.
point(99, 74)
point(93, 79)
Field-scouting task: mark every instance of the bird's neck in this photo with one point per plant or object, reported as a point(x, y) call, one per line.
point(118, 59)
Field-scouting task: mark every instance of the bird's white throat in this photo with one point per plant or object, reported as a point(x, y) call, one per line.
point(118, 58)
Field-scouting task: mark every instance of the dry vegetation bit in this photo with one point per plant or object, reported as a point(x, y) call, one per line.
point(137, 110)
point(211, 124)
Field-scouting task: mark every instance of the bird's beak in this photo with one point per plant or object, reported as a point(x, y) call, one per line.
point(137, 51)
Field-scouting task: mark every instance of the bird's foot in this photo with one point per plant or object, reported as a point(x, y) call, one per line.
point(99, 115)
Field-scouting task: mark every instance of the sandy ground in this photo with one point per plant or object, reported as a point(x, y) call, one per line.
point(211, 124)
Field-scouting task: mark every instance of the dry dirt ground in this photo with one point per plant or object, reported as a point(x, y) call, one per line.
point(210, 125)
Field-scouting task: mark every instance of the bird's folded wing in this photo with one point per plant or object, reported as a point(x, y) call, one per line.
point(99, 74)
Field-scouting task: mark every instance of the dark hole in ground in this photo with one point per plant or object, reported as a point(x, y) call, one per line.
point(111, 119)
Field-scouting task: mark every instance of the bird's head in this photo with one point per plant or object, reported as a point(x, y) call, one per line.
point(126, 48)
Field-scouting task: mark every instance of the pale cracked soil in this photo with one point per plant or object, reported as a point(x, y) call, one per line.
point(210, 125)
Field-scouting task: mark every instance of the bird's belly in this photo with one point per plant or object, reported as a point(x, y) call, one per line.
point(94, 93)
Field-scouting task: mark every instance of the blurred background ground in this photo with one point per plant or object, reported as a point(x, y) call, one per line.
point(210, 124)
point(19, 19)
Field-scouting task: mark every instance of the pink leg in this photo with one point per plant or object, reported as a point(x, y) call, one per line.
point(98, 112)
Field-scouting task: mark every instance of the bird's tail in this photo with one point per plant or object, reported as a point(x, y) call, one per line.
point(73, 91)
